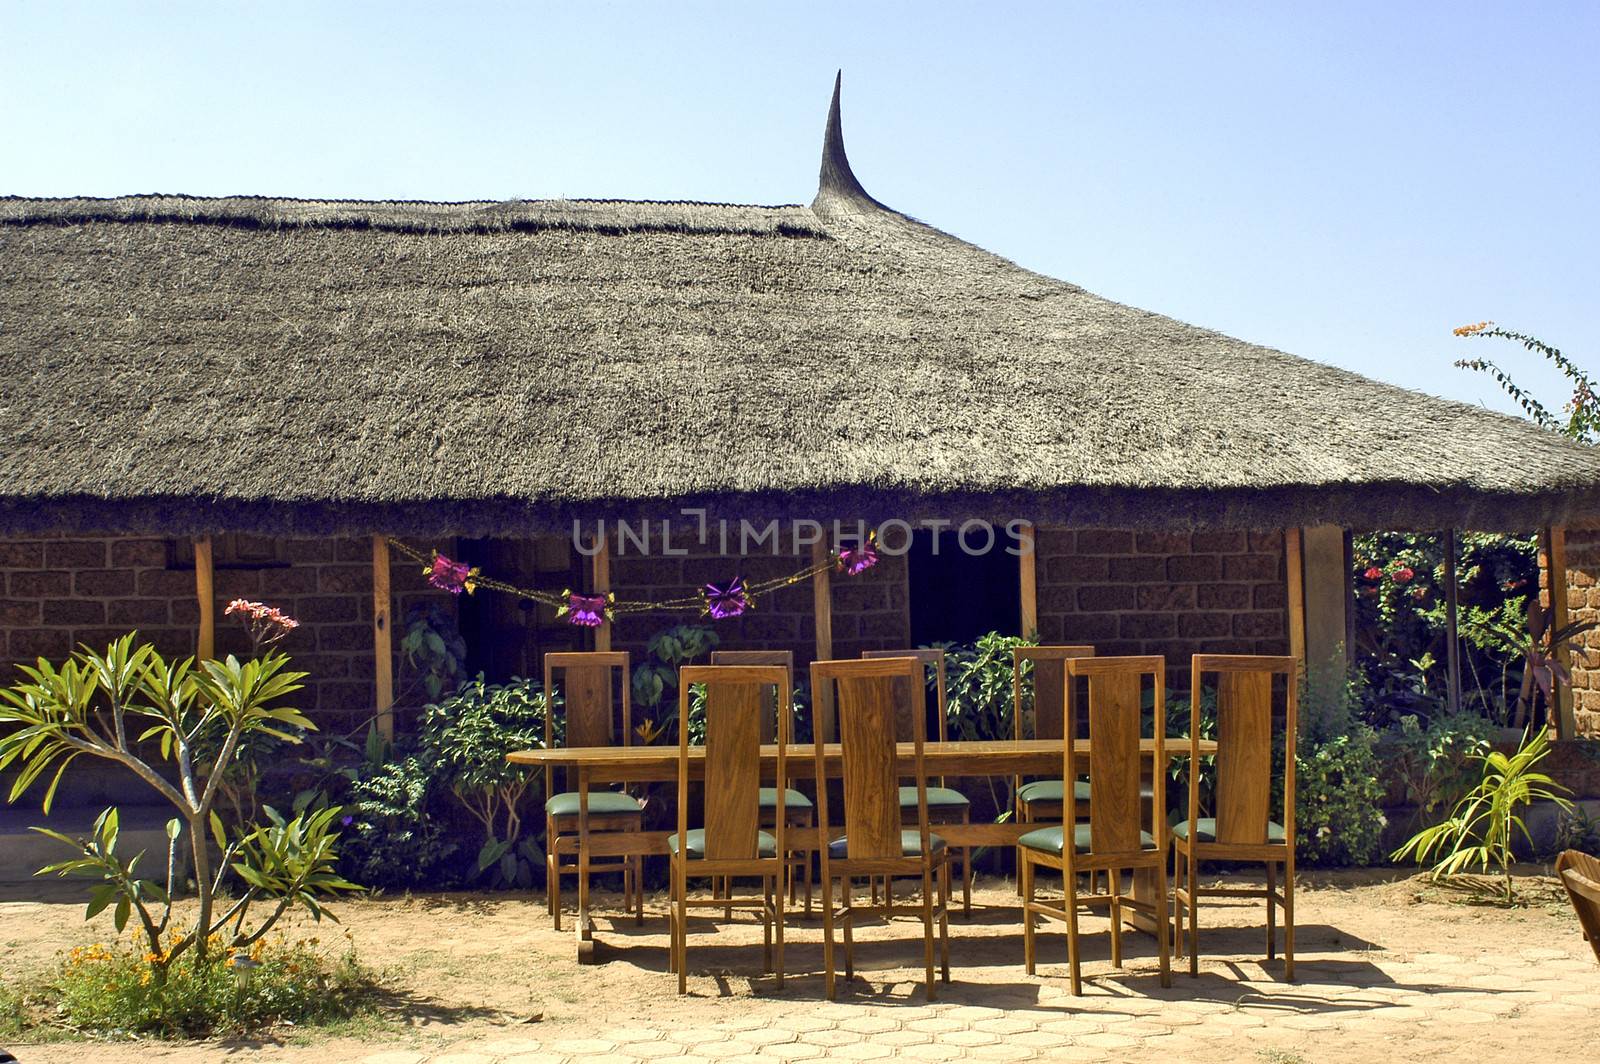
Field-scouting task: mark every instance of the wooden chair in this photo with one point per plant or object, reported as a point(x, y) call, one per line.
point(732, 843)
point(587, 712)
point(1241, 828)
point(861, 696)
point(1580, 874)
point(946, 805)
point(799, 809)
point(1040, 800)
point(1114, 840)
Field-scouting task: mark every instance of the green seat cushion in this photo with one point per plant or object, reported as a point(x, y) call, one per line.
point(938, 797)
point(1049, 840)
point(1205, 830)
point(1051, 790)
point(601, 803)
point(792, 799)
point(766, 845)
point(910, 845)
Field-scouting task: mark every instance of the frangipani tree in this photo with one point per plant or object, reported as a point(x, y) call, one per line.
point(130, 706)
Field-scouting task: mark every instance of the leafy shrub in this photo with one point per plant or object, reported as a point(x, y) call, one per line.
point(1338, 795)
point(655, 681)
point(1575, 830)
point(1433, 761)
point(433, 650)
point(108, 989)
point(393, 838)
point(467, 738)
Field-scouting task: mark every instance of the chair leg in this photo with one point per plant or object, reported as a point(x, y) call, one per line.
point(944, 922)
point(777, 955)
point(1025, 885)
point(1070, 882)
point(1162, 926)
point(638, 889)
point(1288, 922)
point(766, 924)
point(1177, 902)
point(680, 890)
point(849, 928)
point(927, 928)
point(1272, 930)
point(555, 883)
point(1194, 913)
point(828, 982)
point(1114, 888)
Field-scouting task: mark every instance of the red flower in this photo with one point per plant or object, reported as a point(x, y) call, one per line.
point(1374, 573)
point(1403, 575)
point(1419, 593)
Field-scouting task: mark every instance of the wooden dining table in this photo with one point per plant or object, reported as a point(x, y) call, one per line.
point(596, 765)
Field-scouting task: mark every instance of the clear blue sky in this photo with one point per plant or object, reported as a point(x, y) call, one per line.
point(1344, 181)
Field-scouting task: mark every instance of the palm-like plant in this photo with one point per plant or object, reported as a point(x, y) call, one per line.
point(1483, 826)
point(127, 703)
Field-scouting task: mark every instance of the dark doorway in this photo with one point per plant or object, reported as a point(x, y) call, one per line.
point(956, 596)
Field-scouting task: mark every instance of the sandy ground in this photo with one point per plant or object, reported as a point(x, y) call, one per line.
point(464, 968)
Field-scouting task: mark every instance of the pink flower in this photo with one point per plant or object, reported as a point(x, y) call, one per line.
point(454, 577)
point(858, 559)
point(267, 624)
point(586, 611)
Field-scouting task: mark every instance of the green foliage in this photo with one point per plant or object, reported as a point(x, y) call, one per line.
point(108, 990)
point(655, 681)
point(1401, 641)
point(978, 691)
point(433, 650)
point(394, 839)
point(1436, 760)
point(467, 737)
point(121, 704)
point(1338, 818)
point(1484, 824)
point(1575, 830)
point(1581, 420)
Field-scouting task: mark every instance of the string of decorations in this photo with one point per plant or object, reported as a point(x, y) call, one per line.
point(717, 601)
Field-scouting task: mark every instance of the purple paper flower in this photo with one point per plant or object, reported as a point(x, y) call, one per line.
point(454, 577)
point(586, 611)
point(347, 820)
point(730, 600)
point(858, 559)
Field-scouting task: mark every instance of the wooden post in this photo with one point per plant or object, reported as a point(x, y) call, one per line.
point(822, 600)
point(206, 637)
point(1029, 576)
point(382, 637)
point(1562, 717)
point(602, 586)
point(1452, 625)
point(1326, 601)
point(1294, 563)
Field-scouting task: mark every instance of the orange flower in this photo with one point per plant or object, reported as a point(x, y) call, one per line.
point(1469, 330)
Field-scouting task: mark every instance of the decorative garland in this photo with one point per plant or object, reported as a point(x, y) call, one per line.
point(717, 601)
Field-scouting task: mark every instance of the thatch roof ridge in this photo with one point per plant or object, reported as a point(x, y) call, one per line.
point(416, 216)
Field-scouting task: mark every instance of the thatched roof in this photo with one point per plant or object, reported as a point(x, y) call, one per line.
point(182, 364)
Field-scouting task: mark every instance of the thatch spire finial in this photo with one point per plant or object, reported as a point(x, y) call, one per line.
point(837, 180)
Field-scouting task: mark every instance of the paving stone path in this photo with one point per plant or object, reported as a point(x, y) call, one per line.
point(1393, 1008)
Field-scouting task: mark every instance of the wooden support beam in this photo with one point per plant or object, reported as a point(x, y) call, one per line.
point(1562, 718)
point(1294, 563)
point(206, 637)
point(382, 637)
point(822, 600)
point(1452, 624)
point(601, 563)
point(1326, 602)
point(1028, 573)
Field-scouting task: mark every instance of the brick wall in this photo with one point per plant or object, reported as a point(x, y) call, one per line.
point(1171, 593)
point(58, 592)
point(1583, 604)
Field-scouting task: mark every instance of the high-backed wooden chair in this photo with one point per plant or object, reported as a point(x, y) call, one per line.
point(1041, 799)
point(861, 697)
point(732, 843)
point(588, 714)
point(1119, 836)
point(1580, 874)
point(1241, 827)
point(946, 805)
point(799, 809)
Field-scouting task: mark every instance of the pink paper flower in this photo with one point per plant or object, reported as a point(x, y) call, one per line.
point(731, 600)
point(586, 611)
point(452, 576)
point(858, 559)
